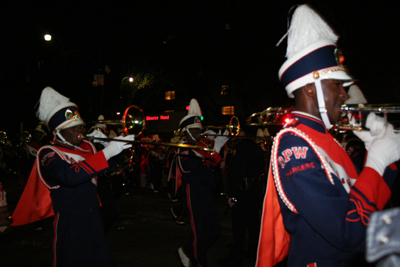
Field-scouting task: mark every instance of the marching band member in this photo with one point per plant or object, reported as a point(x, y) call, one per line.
point(198, 180)
point(63, 182)
point(246, 176)
point(317, 206)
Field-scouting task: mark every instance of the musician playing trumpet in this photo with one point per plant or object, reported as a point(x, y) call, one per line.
point(317, 206)
point(63, 182)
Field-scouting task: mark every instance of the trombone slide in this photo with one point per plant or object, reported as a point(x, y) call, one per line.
point(212, 150)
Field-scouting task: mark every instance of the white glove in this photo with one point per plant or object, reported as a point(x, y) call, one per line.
point(210, 134)
point(98, 134)
point(220, 141)
point(384, 151)
point(116, 147)
point(376, 124)
point(377, 128)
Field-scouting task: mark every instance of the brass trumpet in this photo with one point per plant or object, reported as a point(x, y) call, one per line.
point(274, 117)
point(353, 116)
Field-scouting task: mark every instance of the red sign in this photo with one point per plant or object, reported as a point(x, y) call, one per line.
point(156, 118)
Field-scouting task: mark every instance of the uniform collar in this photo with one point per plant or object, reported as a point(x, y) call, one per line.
point(67, 146)
point(310, 121)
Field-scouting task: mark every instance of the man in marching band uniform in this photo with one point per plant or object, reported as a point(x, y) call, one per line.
point(247, 180)
point(198, 181)
point(317, 206)
point(63, 182)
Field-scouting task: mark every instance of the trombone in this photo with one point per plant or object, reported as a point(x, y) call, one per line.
point(133, 122)
point(233, 127)
point(234, 131)
point(82, 137)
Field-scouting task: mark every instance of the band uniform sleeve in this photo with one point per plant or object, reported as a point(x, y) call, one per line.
point(57, 171)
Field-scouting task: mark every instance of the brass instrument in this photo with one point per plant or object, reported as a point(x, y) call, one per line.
point(26, 137)
point(82, 137)
point(275, 117)
point(233, 127)
point(133, 121)
point(269, 117)
point(353, 116)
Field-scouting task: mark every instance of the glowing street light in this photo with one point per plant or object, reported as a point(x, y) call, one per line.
point(47, 37)
point(130, 79)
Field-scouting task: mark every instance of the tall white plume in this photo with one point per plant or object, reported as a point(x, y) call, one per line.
point(49, 99)
point(306, 28)
point(194, 108)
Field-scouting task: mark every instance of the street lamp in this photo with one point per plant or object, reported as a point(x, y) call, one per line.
point(49, 37)
point(130, 79)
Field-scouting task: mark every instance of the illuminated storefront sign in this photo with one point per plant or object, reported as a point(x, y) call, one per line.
point(156, 118)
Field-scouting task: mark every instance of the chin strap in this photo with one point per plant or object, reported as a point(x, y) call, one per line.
point(62, 139)
point(191, 136)
point(321, 104)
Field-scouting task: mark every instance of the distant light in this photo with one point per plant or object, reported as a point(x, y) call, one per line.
point(187, 107)
point(118, 113)
point(47, 37)
point(341, 59)
point(130, 79)
point(287, 120)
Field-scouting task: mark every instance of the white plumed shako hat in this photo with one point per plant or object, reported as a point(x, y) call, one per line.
point(312, 56)
point(311, 52)
point(193, 118)
point(58, 112)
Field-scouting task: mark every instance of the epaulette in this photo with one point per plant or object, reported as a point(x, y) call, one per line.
point(291, 122)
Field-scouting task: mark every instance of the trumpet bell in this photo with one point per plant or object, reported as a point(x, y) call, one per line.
point(233, 127)
point(26, 137)
point(132, 122)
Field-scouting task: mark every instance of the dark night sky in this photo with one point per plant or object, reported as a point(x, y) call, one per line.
point(96, 33)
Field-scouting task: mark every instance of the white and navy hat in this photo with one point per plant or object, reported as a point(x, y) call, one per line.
point(58, 112)
point(311, 52)
point(311, 56)
point(101, 125)
point(193, 118)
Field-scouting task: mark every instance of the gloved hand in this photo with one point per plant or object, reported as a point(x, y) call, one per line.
point(98, 134)
point(220, 141)
point(375, 124)
point(210, 134)
point(384, 151)
point(116, 147)
point(377, 128)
